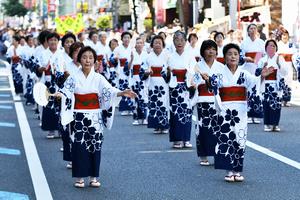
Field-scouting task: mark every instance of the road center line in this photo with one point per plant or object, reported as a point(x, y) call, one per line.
point(40, 184)
point(268, 152)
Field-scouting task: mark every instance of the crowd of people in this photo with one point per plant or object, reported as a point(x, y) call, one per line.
point(160, 79)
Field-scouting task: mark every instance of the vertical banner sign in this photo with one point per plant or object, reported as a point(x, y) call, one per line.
point(51, 6)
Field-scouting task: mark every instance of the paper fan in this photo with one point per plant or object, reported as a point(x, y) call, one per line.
point(40, 94)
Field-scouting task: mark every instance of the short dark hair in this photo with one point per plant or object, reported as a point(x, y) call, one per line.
point(85, 49)
point(126, 33)
point(52, 35)
point(92, 33)
point(74, 47)
point(66, 36)
point(42, 38)
point(178, 33)
point(161, 32)
point(230, 46)
point(271, 40)
point(248, 27)
point(159, 38)
point(28, 37)
point(218, 33)
point(206, 44)
point(192, 35)
point(112, 40)
point(17, 38)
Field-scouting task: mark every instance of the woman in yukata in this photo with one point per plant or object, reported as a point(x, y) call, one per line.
point(138, 85)
point(204, 100)
point(89, 96)
point(273, 85)
point(230, 128)
point(253, 49)
point(155, 74)
point(123, 53)
point(181, 67)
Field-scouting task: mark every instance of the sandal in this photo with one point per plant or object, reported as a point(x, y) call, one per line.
point(95, 183)
point(229, 178)
point(79, 184)
point(204, 163)
point(239, 178)
point(177, 145)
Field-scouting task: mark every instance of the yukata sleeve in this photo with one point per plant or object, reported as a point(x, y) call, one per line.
point(214, 83)
point(250, 80)
point(108, 100)
point(67, 101)
point(297, 66)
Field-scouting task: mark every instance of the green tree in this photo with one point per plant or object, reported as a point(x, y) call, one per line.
point(152, 11)
point(14, 8)
point(104, 22)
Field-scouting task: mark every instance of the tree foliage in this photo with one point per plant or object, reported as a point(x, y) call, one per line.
point(104, 22)
point(14, 8)
point(152, 11)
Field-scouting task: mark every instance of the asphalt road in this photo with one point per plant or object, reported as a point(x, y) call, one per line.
point(136, 164)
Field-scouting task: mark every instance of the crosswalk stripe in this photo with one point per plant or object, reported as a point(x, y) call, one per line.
point(13, 196)
point(7, 124)
point(6, 107)
point(14, 152)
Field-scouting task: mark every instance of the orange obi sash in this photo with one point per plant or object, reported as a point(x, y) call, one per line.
point(86, 101)
point(197, 58)
point(180, 74)
point(156, 71)
point(203, 90)
point(221, 60)
point(15, 59)
point(234, 93)
point(287, 57)
point(272, 76)
point(48, 71)
point(99, 58)
point(123, 61)
point(136, 69)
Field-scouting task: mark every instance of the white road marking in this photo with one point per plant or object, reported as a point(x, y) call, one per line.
point(40, 184)
point(7, 151)
point(7, 124)
point(168, 151)
point(6, 107)
point(269, 152)
point(4, 95)
point(273, 154)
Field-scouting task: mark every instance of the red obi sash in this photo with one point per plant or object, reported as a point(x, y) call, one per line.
point(272, 76)
point(180, 74)
point(234, 93)
point(287, 57)
point(203, 90)
point(221, 60)
point(15, 59)
point(136, 69)
point(48, 71)
point(197, 58)
point(99, 58)
point(156, 71)
point(86, 101)
point(254, 55)
point(122, 61)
